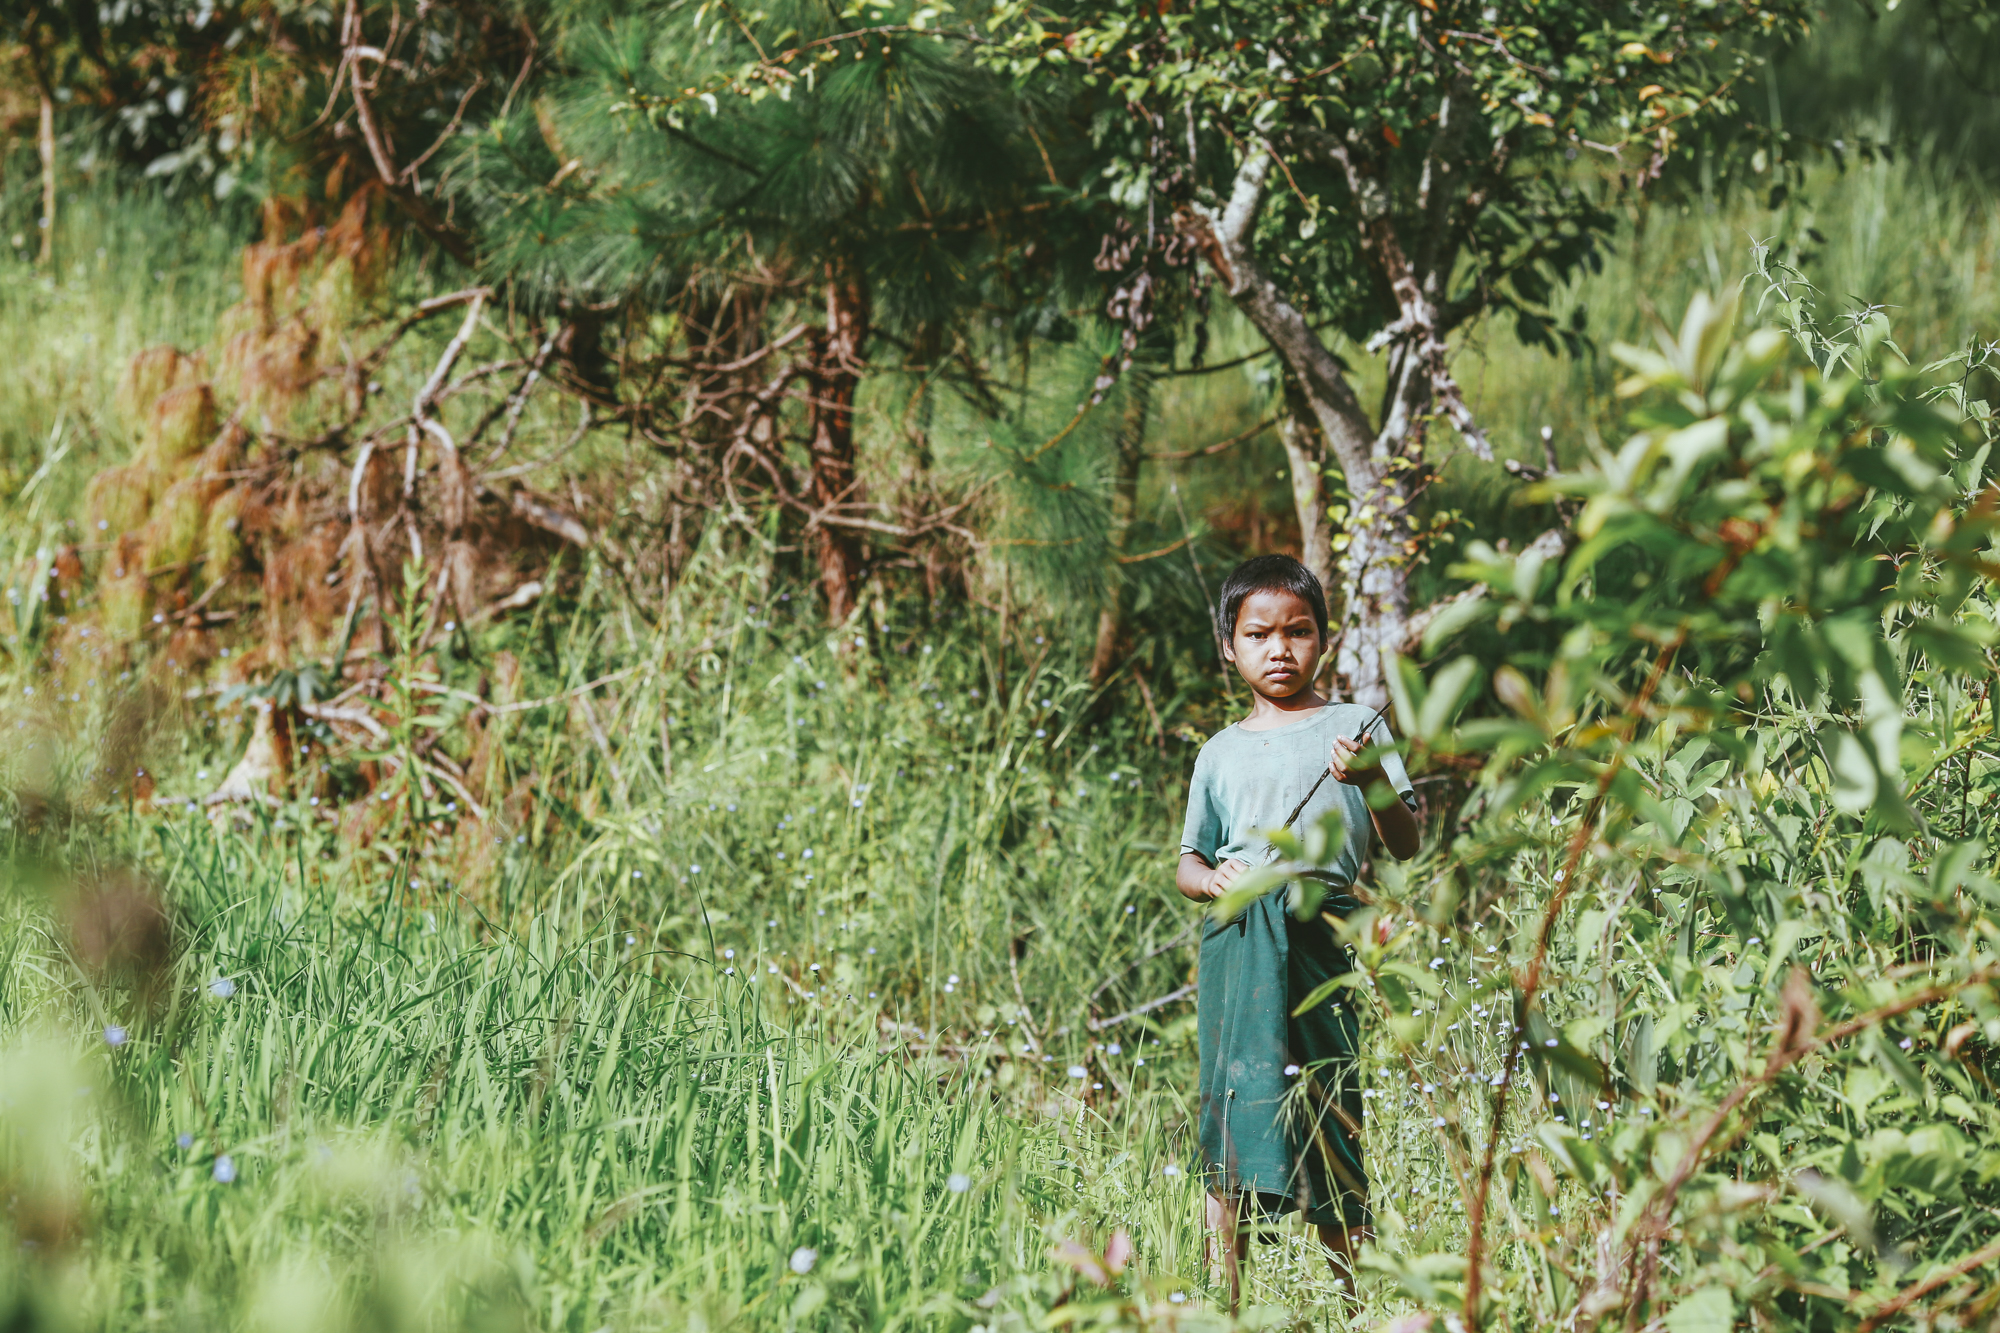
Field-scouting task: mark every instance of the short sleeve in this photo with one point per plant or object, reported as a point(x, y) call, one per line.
point(1202, 833)
point(1392, 768)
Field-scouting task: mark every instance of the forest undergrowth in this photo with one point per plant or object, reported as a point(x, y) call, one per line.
point(754, 974)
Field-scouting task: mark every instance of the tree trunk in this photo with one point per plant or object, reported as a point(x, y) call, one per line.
point(1375, 589)
point(1124, 493)
point(836, 377)
point(1309, 502)
point(45, 141)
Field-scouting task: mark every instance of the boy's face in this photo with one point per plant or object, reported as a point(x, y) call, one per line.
point(1277, 644)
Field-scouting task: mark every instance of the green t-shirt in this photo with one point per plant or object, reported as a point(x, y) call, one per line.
point(1246, 782)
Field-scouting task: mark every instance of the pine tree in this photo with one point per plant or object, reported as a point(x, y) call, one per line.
point(812, 197)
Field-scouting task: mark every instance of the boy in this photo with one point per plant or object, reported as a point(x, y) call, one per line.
point(1264, 1154)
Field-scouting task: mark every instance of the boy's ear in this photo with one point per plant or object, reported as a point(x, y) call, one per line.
point(1229, 651)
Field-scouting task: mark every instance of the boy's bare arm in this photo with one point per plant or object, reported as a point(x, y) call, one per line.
point(1199, 881)
point(1396, 824)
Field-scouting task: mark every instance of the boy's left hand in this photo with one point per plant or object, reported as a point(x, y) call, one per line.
point(1345, 770)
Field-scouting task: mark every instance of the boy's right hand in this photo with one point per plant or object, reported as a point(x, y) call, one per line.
point(1220, 878)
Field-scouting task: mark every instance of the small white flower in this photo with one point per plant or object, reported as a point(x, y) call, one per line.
point(1077, 1071)
point(222, 988)
point(631, 939)
point(1177, 1297)
point(1291, 1071)
point(1170, 1170)
point(694, 870)
point(1115, 1049)
point(803, 1260)
point(114, 1035)
point(1439, 1122)
point(729, 953)
point(1550, 1042)
point(184, 1141)
point(1040, 733)
point(225, 1169)
point(958, 1182)
point(1436, 963)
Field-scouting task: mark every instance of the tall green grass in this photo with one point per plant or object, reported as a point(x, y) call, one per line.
point(409, 1119)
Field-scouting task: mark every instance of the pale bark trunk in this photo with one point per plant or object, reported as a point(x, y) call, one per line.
point(1309, 502)
point(45, 140)
point(836, 378)
point(1124, 494)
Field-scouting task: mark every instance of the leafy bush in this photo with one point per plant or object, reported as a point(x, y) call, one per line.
point(1701, 1002)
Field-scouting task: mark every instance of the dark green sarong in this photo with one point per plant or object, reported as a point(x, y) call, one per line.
point(1282, 1141)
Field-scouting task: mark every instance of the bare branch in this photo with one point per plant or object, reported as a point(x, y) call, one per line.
point(550, 519)
point(1224, 240)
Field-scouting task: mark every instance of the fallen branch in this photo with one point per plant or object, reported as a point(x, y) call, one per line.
point(1098, 1025)
point(550, 519)
point(352, 716)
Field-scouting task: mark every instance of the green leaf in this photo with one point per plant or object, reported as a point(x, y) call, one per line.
point(1710, 1310)
point(1448, 690)
point(1854, 778)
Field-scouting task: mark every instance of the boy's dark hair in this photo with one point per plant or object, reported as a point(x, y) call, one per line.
point(1268, 573)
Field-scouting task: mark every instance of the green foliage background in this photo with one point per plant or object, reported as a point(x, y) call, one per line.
point(1699, 977)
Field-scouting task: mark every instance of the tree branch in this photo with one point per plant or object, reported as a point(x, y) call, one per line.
point(1224, 240)
point(1549, 546)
